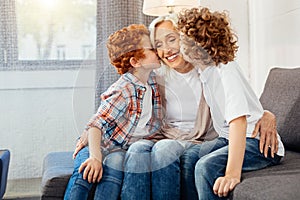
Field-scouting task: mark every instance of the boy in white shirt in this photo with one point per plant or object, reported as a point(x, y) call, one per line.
point(208, 42)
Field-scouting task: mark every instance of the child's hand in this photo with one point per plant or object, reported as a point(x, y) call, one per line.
point(224, 185)
point(92, 170)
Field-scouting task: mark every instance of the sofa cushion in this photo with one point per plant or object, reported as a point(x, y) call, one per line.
point(276, 182)
point(281, 97)
point(57, 169)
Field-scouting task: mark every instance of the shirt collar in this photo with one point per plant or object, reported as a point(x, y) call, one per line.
point(131, 78)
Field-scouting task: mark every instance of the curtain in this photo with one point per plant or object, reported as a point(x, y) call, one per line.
point(111, 16)
point(8, 36)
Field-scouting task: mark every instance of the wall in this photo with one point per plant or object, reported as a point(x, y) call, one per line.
point(275, 37)
point(41, 112)
point(268, 33)
point(238, 14)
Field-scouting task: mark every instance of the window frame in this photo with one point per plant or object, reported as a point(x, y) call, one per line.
point(9, 59)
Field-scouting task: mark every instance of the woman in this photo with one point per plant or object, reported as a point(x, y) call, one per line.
point(184, 127)
point(186, 123)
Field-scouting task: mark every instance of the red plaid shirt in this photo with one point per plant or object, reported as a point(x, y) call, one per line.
point(120, 110)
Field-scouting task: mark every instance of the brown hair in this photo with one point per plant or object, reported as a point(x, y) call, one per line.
point(124, 44)
point(211, 31)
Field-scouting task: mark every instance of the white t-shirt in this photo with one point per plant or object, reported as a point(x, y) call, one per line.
point(182, 94)
point(141, 129)
point(230, 96)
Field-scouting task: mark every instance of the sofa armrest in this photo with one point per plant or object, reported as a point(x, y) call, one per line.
point(4, 165)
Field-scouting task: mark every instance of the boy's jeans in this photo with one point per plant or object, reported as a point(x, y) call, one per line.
point(152, 171)
point(213, 157)
point(111, 182)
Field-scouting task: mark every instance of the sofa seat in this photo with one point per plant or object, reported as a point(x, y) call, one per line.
point(57, 169)
point(280, 182)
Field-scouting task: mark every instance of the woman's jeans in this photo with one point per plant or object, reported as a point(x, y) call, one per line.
point(207, 161)
point(152, 170)
point(110, 184)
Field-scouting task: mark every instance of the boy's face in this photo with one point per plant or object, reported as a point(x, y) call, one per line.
point(151, 60)
point(193, 52)
point(187, 50)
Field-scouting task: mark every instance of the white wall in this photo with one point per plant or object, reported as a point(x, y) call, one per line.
point(238, 14)
point(268, 32)
point(38, 115)
point(275, 37)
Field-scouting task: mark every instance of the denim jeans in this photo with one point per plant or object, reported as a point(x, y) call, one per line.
point(152, 170)
point(166, 169)
point(137, 168)
point(213, 160)
point(110, 184)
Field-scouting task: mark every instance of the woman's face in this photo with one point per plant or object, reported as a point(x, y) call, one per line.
point(168, 49)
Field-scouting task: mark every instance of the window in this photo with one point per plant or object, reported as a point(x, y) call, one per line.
point(61, 52)
point(47, 31)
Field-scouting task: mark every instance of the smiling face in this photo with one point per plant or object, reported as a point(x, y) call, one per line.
point(168, 49)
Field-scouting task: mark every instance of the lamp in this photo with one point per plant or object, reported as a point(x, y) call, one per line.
point(164, 7)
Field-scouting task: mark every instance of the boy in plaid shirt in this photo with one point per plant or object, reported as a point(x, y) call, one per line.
point(130, 110)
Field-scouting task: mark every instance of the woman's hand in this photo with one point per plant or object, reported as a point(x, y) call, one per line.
point(81, 142)
point(266, 126)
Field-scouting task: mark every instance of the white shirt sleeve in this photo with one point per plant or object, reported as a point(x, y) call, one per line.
point(236, 94)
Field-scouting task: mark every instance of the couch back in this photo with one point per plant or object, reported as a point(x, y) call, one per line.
point(281, 96)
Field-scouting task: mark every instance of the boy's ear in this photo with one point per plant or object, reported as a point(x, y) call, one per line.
point(134, 62)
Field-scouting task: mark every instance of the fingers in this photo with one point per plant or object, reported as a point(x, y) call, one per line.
point(256, 129)
point(267, 145)
point(79, 146)
point(100, 175)
point(268, 139)
point(221, 187)
point(92, 172)
point(82, 166)
point(274, 144)
point(217, 186)
point(224, 185)
point(90, 175)
point(262, 142)
point(75, 152)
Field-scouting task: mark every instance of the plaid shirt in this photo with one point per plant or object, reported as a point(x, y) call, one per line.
point(120, 110)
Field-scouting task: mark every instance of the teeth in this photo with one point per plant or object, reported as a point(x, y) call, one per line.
point(171, 57)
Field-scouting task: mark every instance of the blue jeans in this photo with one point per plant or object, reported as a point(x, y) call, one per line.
point(152, 170)
point(111, 182)
point(213, 156)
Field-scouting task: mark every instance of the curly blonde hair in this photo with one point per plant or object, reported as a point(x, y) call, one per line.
point(124, 44)
point(211, 31)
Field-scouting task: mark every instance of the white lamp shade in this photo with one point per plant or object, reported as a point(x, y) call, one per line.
point(164, 7)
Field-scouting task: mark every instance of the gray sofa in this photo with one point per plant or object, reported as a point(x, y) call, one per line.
point(281, 96)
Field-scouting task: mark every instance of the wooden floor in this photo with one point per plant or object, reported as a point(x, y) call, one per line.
point(23, 189)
